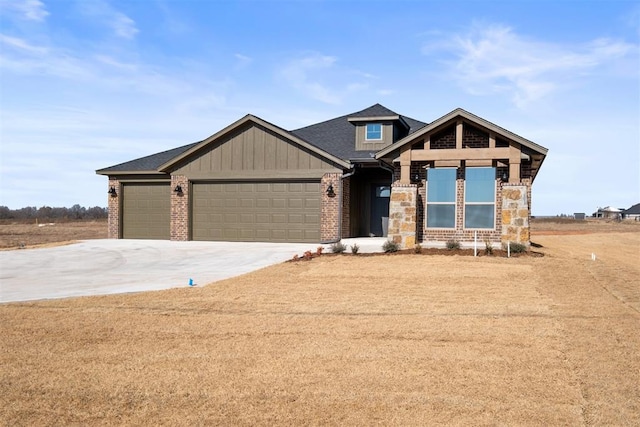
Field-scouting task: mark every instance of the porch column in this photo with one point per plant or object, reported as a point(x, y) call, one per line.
point(405, 165)
point(515, 213)
point(402, 214)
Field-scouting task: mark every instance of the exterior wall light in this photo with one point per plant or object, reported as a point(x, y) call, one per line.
point(330, 191)
point(178, 189)
point(505, 176)
point(112, 192)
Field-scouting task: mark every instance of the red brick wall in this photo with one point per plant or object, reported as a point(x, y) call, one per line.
point(346, 208)
point(459, 233)
point(444, 139)
point(179, 208)
point(113, 205)
point(330, 211)
point(474, 138)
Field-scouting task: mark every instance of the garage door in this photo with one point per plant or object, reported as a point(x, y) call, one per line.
point(146, 211)
point(256, 211)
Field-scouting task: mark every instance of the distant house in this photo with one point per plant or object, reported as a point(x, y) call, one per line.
point(632, 213)
point(373, 172)
point(608, 212)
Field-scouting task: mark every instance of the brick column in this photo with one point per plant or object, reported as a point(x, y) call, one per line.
point(515, 213)
point(113, 207)
point(179, 208)
point(402, 214)
point(346, 208)
point(330, 211)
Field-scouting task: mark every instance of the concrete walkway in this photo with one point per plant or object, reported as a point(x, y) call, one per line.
point(98, 267)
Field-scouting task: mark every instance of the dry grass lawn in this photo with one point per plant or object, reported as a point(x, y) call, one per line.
point(343, 340)
point(21, 234)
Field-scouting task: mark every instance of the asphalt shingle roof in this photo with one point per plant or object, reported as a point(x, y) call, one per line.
point(149, 163)
point(633, 210)
point(335, 136)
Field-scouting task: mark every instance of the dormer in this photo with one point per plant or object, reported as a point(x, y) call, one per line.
point(377, 128)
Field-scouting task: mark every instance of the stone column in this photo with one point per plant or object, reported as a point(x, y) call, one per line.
point(515, 213)
point(179, 208)
point(113, 207)
point(402, 214)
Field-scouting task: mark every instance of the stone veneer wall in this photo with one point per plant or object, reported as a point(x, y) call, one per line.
point(516, 213)
point(179, 208)
point(330, 211)
point(402, 214)
point(113, 206)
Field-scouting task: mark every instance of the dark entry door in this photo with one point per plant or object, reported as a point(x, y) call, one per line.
point(380, 195)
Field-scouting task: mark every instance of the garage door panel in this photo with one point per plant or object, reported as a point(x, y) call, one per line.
point(146, 210)
point(256, 211)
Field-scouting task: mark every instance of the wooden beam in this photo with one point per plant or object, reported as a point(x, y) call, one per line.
point(463, 154)
point(405, 165)
point(459, 134)
point(492, 140)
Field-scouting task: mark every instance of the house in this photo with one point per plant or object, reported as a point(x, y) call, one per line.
point(632, 213)
point(370, 173)
point(608, 212)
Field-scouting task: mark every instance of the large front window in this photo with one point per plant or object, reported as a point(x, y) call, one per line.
point(479, 198)
point(441, 198)
point(374, 131)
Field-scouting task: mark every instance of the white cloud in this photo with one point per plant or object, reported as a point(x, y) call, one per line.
point(32, 10)
point(243, 60)
point(320, 77)
point(122, 25)
point(494, 59)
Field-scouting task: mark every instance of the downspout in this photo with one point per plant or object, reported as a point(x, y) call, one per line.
point(388, 168)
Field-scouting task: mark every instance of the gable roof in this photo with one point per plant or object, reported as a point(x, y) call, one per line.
point(539, 151)
point(256, 120)
point(337, 136)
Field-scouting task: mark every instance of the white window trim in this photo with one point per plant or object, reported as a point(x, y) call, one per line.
point(366, 133)
point(455, 204)
point(465, 203)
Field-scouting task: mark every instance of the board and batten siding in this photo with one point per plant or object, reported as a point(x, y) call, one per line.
point(254, 152)
point(363, 145)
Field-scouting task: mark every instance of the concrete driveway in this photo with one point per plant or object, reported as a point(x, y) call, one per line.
point(98, 267)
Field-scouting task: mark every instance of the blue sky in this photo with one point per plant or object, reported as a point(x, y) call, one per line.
point(91, 83)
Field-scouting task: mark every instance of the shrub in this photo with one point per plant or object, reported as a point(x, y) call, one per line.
point(319, 250)
point(488, 248)
point(516, 248)
point(390, 246)
point(338, 248)
point(453, 244)
point(307, 255)
point(417, 248)
point(355, 248)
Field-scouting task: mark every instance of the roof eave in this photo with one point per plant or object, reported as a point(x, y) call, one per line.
point(128, 172)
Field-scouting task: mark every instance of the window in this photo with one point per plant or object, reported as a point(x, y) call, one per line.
point(441, 198)
point(374, 131)
point(479, 198)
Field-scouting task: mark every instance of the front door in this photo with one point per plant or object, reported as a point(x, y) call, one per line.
point(380, 195)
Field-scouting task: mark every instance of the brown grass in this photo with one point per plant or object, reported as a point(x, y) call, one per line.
point(397, 340)
point(17, 235)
